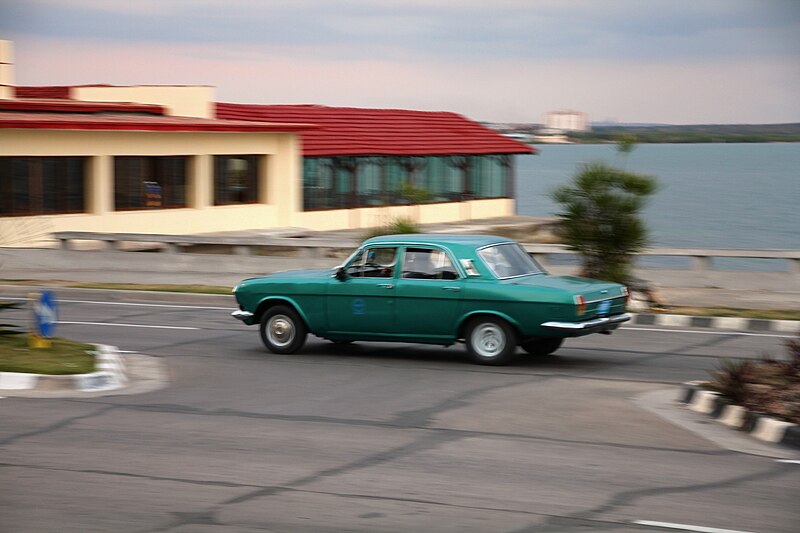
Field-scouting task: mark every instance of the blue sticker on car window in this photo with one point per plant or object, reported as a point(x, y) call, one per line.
point(359, 306)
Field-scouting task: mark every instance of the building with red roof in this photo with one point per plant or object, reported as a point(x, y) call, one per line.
point(156, 159)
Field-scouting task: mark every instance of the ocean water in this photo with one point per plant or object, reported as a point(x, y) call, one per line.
point(743, 196)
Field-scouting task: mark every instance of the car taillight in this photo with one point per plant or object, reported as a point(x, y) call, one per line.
point(580, 302)
point(627, 294)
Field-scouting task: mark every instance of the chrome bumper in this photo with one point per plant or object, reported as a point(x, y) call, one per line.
point(242, 315)
point(601, 324)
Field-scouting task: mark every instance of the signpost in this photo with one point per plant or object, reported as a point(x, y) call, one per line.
point(45, 317)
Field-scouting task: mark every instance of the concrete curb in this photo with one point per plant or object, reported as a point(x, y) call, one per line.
point(759, 426)
point(731, 323)
point(110, 374)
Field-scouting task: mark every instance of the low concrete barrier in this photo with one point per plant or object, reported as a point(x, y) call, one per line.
point(238, 245)
point(313, 247)
point(701, 259)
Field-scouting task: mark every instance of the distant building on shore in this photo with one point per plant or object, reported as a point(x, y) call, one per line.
point(567, 121)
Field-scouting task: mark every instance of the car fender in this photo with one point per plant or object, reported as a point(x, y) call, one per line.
point(483, 312)
point(270, 301)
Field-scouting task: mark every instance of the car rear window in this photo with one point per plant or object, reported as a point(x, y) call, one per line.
point(509, 260)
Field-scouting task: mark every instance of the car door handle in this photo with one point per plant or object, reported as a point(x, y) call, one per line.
point(453, 289)
point(386, 285)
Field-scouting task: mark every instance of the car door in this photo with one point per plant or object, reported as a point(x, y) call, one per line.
point(428, 293)
point(361, 304)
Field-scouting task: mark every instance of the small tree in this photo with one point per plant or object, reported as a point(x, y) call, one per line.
point(600, 219)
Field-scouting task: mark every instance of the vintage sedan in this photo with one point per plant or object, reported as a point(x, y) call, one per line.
point(435, 289)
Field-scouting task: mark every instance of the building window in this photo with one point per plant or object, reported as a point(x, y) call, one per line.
point(149, 182)
point(351, 182)
point(41, 185)
point(235, 179)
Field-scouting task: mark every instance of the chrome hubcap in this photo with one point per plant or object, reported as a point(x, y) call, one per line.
point(488, 340)
point(280, 330)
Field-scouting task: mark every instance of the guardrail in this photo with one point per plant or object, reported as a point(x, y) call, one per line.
point(701, 259)
point(238, 245)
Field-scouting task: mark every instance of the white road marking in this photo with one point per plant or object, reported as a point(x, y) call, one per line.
point(789, 461)
point(125, 325)
point(634, 328)
point(687, 527)
point(137, 304)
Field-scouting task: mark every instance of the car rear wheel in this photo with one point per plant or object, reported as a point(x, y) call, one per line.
point(544, 346)
point(282, 330)
point(491, 341)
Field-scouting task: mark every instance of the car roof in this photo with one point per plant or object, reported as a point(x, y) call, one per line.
point(465, 240)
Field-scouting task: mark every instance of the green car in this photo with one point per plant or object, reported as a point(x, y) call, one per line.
point(432, 289)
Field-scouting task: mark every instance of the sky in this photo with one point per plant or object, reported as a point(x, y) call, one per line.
point(631, 61)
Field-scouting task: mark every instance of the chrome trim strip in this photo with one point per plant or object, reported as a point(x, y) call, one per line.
point(604, 299)
point(242, 315)
point(589, 324)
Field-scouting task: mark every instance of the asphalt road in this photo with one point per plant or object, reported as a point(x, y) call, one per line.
point(382, 437)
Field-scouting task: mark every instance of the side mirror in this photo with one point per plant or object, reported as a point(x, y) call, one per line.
point(341, 274)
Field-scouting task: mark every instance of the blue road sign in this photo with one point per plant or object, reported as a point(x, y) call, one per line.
point(46, 314)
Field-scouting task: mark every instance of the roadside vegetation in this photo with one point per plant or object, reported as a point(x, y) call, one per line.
point(600, 216)
point(62, 357)
point(395, 226)
point(700, 133)
point(769, 386)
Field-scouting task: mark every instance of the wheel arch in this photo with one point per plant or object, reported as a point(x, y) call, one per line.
point(469, 317)
point(272, 301)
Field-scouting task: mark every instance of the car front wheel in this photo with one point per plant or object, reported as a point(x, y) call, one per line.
point(282, 330)
point(542, 346)
point(491, 341)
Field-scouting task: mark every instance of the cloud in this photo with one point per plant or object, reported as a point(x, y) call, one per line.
point(499, 90)
point(660, 60)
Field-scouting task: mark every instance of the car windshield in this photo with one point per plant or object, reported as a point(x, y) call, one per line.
point(509, 260)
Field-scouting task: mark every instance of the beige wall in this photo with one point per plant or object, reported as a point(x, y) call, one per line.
point(183, 101)
point(281, 203)
point(279, 178)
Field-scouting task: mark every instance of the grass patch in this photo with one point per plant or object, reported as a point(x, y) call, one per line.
point(198, 289)
point(766, 314)
point(63, 357)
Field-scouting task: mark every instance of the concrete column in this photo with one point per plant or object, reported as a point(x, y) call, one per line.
point(794, 266)
point(701, 262)
point(100, 184)
point(284, 179)
point(264, 175)
point(201, 182)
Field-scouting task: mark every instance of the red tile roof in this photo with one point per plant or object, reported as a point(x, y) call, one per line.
point(135, 122)
point(354, 131)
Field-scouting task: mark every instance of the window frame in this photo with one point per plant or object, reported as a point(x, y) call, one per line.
point(252, 179)
point(39, 191)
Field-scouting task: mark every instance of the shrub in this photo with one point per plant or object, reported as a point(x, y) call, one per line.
point(394, 227)
point(769, 386)
point(600, 219)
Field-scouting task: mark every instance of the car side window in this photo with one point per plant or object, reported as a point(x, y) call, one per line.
point(427, 263)
point(377, 262)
